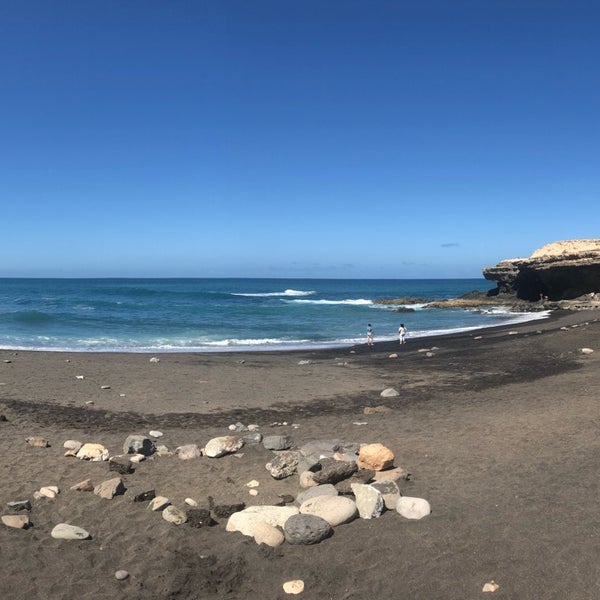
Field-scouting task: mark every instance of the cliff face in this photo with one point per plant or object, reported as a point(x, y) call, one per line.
point(561, 271)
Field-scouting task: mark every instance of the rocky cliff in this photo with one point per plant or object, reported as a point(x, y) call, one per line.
point(559, 271)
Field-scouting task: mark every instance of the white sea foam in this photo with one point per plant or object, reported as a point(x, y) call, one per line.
point(356, 302)
point(276, 294)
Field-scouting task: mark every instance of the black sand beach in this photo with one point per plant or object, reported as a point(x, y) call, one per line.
point(498, 429)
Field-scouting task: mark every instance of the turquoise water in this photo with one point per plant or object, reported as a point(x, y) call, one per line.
point(153, 315)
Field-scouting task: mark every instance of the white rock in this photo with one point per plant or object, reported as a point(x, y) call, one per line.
point(267, 534)
point(64, 531)
point(155, 433)
point(72, 445)
point(587, 351)
point(154, 359)
point(158, 503)
point(93, 452)
point(390, 393)
point(490, 586)
point(174, 515)
point(78, 376)
point(121, 575)
point(295, 586)
point(49, 491)
point(369, 501)
point(253, 484)
point(191, 502)
point(220, 446)
point(245, 520)
point(188, 452)
point(413, 508)
point(16, 521)
point(253, 492)
point(306, 479)
point(137, 458)
point(334, 509)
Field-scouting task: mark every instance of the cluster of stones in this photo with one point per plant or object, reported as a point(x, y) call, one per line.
point(339, 482)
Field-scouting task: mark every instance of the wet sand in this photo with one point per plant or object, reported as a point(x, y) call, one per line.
point(498, 428)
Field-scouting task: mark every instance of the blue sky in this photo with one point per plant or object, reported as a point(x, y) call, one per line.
point(294, 139)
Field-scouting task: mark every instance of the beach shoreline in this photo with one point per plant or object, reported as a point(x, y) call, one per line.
point(497, 426)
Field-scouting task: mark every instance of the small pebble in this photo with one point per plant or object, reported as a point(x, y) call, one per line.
point(155, 433)
point(105, 387)
point(253, 492)
point(121, 575)
point(295, 586)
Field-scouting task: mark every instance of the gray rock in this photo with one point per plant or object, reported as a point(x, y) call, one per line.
point(390, 492)
point(306, 529)
point(308, 463)
point(139, 444)
point(320, 448)
point(141, 495)
point(320, 490)
point(199, 517)
point(224, 511)
point(278, 442)
point(18, 505)
point(283, 464)
point(120, 464)
point(361, 476)
point(121, 575)
point(110, 488)
point(333, 471)
point(64, 531)
point(253, 438)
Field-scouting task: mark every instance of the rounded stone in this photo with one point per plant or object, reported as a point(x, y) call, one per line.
point(174, 515)
point(64, 531)
point(334, 509)
point(220, 446)
point(278, 442)
point(264, 533)
point(121, 575)
point(306, 529)
point(413, 508)
point(295, 586)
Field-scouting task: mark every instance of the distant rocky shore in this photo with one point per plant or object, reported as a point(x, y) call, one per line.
point(562, 275)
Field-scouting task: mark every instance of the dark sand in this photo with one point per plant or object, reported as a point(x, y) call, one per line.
point(500, 434)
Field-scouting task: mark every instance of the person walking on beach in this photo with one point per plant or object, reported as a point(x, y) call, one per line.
point(402, 333)
point(369, 335)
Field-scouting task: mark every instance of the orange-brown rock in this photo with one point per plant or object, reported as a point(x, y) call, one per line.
point(375, 457)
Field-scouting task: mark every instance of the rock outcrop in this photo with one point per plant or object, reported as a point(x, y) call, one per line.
point(559, 271)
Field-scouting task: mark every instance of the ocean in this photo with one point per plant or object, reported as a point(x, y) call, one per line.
point(199, 315)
